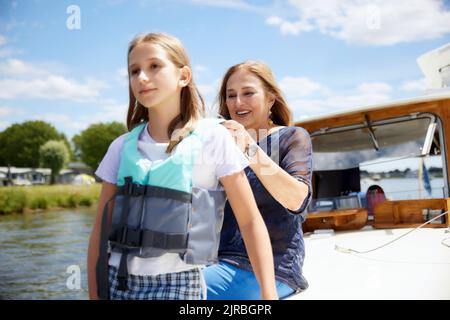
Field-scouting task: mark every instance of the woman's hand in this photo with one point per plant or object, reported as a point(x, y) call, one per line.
point(238, 132)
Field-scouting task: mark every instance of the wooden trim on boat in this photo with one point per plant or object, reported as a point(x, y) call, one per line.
point(343, 219)
point(409, 213)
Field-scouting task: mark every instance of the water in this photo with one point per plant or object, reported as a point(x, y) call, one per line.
point(36, 251)
point(406, 188)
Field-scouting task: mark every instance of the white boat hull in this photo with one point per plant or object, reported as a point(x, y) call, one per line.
point(414, 267)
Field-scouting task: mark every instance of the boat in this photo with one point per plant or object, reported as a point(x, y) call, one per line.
point(366, 241)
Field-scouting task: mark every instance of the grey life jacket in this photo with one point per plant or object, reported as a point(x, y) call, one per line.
point(157, 210)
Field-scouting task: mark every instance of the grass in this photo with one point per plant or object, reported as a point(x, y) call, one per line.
point(29, 198)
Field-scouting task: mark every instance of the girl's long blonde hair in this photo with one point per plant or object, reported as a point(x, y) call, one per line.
point(281, 114)
point(192, 105)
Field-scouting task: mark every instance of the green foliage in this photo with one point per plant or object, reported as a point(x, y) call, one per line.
point(12, 199)
point(20, 143)
point(54, 155)
point(91, 144)
point(18, 199)
point(38, 203)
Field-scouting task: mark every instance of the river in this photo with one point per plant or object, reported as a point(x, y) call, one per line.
point(43, 255)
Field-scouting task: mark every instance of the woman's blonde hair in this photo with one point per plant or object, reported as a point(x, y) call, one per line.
point(281, 114)
point(192, 105)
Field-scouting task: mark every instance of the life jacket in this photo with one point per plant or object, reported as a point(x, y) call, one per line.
point(156, 210)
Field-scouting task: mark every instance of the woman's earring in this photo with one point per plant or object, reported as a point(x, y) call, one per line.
point(270, 122)
point(135, 104)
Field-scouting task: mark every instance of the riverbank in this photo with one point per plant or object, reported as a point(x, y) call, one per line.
point(36, 198)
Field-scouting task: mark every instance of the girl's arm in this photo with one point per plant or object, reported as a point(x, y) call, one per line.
point(108, 190)
point(253, 231)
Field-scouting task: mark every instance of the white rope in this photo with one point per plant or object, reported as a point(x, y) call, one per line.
point(349, 250)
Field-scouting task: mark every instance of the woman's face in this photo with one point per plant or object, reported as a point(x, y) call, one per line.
point(247, 101)
point(154, 79)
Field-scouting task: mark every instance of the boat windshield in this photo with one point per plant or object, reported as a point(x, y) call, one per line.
point(348, 147)
point(400, 155)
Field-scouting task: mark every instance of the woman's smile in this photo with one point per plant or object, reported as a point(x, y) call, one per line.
point(242, 113)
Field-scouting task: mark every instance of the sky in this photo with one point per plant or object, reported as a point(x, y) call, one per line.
point(64, 62)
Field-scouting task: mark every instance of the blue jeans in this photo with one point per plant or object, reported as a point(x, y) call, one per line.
point(227, 282)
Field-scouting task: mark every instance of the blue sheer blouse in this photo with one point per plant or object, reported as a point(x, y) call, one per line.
point(290, 148)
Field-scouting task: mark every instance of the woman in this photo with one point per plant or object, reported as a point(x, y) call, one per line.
point(280, 176)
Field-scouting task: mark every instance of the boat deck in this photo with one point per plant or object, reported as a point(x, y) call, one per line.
point(414, 267)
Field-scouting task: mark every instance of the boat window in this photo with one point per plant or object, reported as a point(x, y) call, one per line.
point(347, 147)
point(402, 156)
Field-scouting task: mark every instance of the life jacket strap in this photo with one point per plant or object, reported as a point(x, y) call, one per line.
point(127, 237)
point(122, 273)
point(135, 190)
point(169, 241)
point(102, 262)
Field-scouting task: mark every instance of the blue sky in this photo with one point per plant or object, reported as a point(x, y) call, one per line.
point(327, 55)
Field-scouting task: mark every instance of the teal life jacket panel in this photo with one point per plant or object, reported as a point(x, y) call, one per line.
point(157, 210)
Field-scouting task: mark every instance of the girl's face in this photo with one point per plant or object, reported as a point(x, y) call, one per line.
point(247, 101)
point(154, 79)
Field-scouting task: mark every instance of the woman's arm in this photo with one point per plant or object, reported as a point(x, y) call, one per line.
point(253, 231)
point(108, 190)
point(283, 187)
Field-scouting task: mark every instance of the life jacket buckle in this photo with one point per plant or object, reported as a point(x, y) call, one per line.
point(130, 237)
point(135, 190)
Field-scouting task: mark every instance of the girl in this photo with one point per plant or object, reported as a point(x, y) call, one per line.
point(280, 177)
point(162, 188)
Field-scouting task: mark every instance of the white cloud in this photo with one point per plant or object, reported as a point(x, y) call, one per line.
point(363, 95)
point(231, 4)
point(2, 40)
point(106, 110)
point(4, 125)
point(25, 80)
point(207, 89)
point(18, 68)
point(6, 52)
point(209, 92)
point(200, 68)
point(57, 118)
point(374, 88)
point(297, 87)
point(51, 87)
point(122, 72)
point(5, 111)
point(287, 27)
point(200, 72)
point(369, 22)
point(7, 116)
point(415, 85)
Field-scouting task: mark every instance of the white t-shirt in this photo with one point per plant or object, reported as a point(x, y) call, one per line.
point(218, 157)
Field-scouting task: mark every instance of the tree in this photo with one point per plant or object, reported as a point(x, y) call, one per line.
point(91, 144)
point(20, 143)
point(54, 155)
